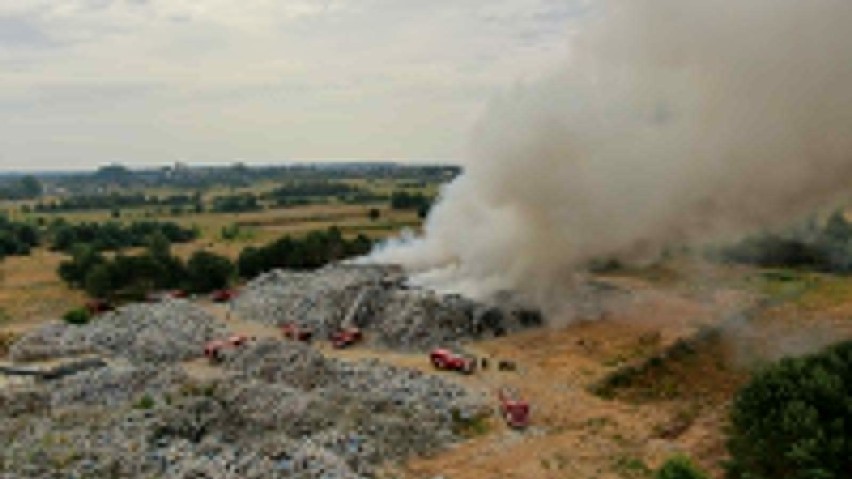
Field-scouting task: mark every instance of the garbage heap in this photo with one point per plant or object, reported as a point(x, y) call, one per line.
point(279, 410)
point(377, 300)
point(141, 333)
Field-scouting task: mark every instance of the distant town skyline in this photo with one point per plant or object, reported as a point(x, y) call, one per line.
point(87, 83)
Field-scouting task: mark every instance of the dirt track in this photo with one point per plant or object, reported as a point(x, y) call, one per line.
point(680, 408)
point(575, 433)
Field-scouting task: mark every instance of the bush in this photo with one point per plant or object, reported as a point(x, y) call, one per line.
point(112, 236)
point(826, 247)
point(145, 402)
point(77, 316)
point(679, 467)
point(476, 425)
point(304, 191)
point(403, 200)
point(238, 203)
point(317, 249)
point(25, 188)
point(17, 239)
point(207, 272)
point(794, 420)
point(129, 277)
point(113, 202)
point(231, 233)
point(83, 259)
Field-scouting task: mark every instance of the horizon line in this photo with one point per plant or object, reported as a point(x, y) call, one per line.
point(224, 164)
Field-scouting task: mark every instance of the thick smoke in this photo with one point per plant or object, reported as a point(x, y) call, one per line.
point(673, 121)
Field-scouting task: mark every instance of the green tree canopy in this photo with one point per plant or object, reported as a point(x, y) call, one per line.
point(207, 272)
point(679, 467)
point(794, 420)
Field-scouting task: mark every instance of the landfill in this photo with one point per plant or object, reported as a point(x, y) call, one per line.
point(273, 409)
point(376, 299)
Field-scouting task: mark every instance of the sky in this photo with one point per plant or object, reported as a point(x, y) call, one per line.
point(148, 82)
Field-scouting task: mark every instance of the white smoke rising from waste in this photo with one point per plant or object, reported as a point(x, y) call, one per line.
point(674, 121)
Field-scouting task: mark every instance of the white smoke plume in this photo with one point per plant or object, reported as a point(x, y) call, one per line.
point(672, 121)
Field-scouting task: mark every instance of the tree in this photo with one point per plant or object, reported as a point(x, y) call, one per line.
point(826, 247)
point(252, 262)
point(403, 200)
point(77, 316)
point(423, 211)
point(317, 249)
point(25, 188)
point(159, 246)
point(238, 203)
point(83, 259)
point(30, 187)
point(794, 420)
point(231, 232)
point(115, 236)
point(374, 214)
point(114, 173)
point(208, 271)
point(361, 245)
point(679, 467)
point(99, 282)
point(837, 228)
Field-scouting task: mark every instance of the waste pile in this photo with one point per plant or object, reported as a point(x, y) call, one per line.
point(166, 425)
point(276, 408)
point(141, 333)
point(289, 297)
point(291, 363)
point(376, 299)
point(114, 385)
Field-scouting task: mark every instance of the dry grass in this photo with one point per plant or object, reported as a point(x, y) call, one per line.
point(678, 406)
point(578, 434)
point(263, 226)
point(31, 292)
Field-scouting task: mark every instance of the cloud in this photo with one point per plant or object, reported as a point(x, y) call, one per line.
point(18, 32)
point(268, 79)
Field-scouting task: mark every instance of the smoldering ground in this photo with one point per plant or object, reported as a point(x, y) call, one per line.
point(669, 122)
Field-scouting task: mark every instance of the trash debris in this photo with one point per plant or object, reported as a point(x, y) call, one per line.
point(271, 408)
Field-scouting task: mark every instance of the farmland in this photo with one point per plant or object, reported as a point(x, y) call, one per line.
point(32, 292)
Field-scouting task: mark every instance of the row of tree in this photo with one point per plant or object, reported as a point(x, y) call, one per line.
point(16, 238)
point(115, 201)
point(25, 188)
point(315, 250)
point(113, 236)
point(133, 277)
point(289, 194)
point(306, 193)
point(310, 189)
point(239, 203)
point(820, 246)
point(241, 175)
point(403, 200)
